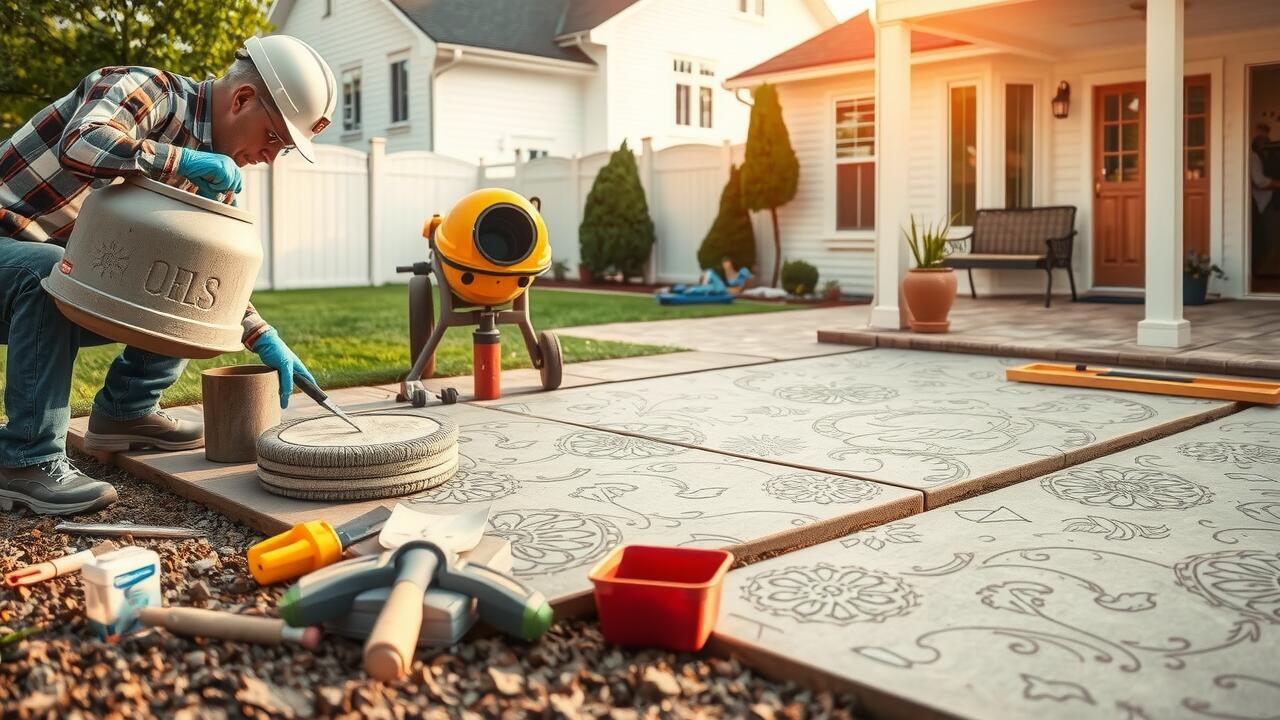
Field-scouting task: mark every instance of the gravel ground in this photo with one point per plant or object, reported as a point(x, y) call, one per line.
point(571, 672)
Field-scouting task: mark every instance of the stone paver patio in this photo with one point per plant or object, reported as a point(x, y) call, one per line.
point(1236, 337)
point(1144, 584)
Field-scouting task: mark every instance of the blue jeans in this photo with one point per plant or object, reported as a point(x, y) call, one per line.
point(42, 347)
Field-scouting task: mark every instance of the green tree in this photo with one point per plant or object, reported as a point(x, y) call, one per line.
point(731, 235)
point(771, 171)
point(48, 46)
point(616, 231)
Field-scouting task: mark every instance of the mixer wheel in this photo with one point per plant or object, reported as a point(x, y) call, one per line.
point(422, 320)
point(420, 397)
point(449, 396)
point(552, 364)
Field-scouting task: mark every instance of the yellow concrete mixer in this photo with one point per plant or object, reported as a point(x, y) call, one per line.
point(485, 254)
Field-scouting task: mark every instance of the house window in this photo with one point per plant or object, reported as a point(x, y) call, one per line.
point(682, 104)
point(328, 8)
point(855, 145)
point(350, 100)
point(1019, 147)
point(690, 76)
point(530, 153)
point(400, 91)
point(755, 7)
point(963, 171)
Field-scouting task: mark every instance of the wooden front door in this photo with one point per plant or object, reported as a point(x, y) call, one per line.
point(1119, 141)
point(1119, 186)
point(1195, 166)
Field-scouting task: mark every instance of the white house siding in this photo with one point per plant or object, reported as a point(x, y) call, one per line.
point(1063, 174)
point(643, 42)
point(485, 112)
point(363, 33)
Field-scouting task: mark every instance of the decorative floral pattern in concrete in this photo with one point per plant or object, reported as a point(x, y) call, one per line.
point(564, 496)
point(1145, 584)
point(947, 424)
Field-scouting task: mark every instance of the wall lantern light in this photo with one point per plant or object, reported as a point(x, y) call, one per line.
point(1062, 101)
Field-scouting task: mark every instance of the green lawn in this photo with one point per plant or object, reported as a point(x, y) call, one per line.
point(359, 336)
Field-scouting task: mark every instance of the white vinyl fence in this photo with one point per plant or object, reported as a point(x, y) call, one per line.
point(353, 216)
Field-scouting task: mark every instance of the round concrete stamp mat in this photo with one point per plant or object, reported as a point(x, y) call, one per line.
point(395, 442)
point(362, 489)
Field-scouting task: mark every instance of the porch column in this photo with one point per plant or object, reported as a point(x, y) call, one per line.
point(893, 123)
point(1164, 325)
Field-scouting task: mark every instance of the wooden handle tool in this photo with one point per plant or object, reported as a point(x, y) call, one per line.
point(388, 653)
point(56, 567)
point(228, 626)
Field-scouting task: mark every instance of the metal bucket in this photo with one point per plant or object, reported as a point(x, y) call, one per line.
point(159, 268)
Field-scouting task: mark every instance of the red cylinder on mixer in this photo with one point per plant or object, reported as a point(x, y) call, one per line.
point(486, 362)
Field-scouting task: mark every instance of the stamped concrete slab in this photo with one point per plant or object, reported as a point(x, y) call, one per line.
point(565, 495)
point(946, 424)
point(1144, 584)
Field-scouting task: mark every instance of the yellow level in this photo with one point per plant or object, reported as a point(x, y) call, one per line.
point(1250, 391)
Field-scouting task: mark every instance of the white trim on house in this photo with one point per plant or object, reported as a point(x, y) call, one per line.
point(515, 61)
point(818, 8)
point(854, 67)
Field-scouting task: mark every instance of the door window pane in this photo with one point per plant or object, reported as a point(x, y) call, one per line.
point(1130, 107)
point(1019, 126)
point(1196, 100)
point(1111, 168)
point(1111, 138)
point(1129, 137)
point(964, 154)
point(1112, 104)
point(1129, 167)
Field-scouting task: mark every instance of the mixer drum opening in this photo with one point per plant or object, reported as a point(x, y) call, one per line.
point(505, 234)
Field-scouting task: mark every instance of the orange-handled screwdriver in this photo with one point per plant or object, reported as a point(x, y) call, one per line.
point(309, 546)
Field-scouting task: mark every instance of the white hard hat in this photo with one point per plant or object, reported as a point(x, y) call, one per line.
point(300, 83)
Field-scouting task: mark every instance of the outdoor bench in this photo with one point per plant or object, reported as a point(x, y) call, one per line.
point(1019, 239)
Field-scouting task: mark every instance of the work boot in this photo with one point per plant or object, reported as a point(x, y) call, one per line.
point(158, 430)
point(54, 488)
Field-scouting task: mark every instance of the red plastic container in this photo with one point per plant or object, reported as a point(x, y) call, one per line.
point(666, 597)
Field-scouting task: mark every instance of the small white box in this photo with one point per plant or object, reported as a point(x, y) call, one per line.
point(116, 586)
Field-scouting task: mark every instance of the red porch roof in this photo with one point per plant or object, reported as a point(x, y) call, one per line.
point(852, 40)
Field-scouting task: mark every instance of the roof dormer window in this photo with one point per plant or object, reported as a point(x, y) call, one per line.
point(751, 7)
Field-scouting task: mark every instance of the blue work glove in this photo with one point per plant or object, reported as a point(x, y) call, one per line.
point(275, 354)
point(211, 173)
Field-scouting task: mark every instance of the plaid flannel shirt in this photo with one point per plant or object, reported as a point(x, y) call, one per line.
point(119, 121)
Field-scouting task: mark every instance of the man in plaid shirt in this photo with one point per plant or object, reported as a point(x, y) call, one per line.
point(119, 122)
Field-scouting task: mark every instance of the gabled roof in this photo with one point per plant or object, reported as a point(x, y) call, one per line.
point(850, 41)
point(582, 15)
point(528, 27)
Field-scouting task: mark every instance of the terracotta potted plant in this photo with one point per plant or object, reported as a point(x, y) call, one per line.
point(559, 269)
point(929, 288)
point(831, 291)
point(1196, 271)
point(585, 276)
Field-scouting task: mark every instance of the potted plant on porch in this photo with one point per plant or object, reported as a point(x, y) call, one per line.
point(1196, 271)
point(929, 288)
